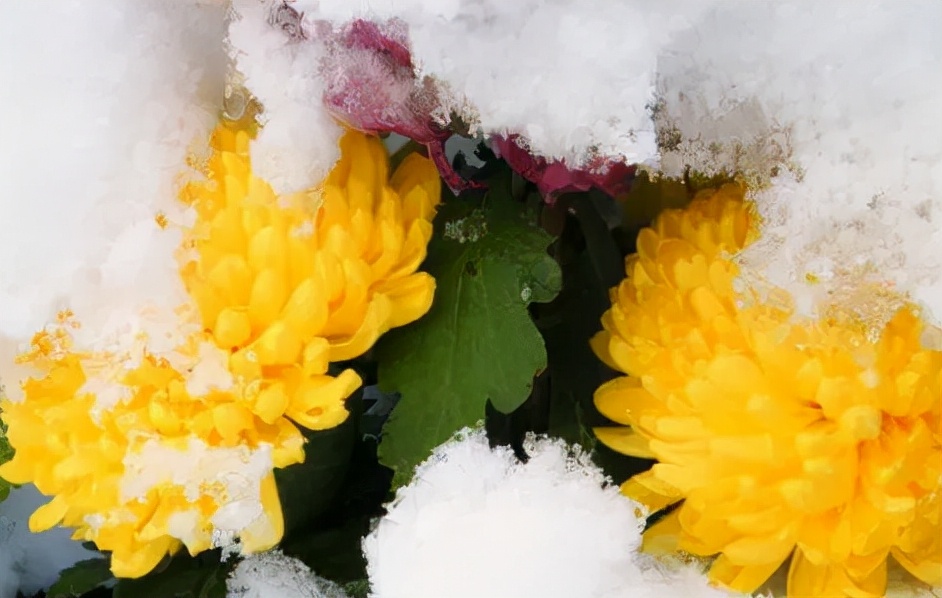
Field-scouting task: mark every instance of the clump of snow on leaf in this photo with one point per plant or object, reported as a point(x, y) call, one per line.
point(31, 562)
point(274, 575)
point(299, 142)
point(478, 522)
point(104, 102)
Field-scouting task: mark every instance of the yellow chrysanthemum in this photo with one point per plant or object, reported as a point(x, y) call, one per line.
point(146, 452)
point(781, 436)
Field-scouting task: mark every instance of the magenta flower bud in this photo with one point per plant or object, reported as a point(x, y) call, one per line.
point(554, 177)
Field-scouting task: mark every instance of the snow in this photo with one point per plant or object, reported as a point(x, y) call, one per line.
point(841, 99)
point(812, 91)
point(31, 562)
point(299, 142)
point(104, 102)
point(476, 522)
point(274, 575)
point(232, 476)
point(845, 100)
point(536, 67)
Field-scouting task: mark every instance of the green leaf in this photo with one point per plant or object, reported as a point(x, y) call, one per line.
point(330, 546)
point(477, 343)
point(83, 576)
point(357, 589)
point(6, 453)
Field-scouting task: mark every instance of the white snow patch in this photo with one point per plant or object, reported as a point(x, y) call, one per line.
point(572, 78)
point(274, 575)
point(844, 96)
point(839, 105)
point(232, 476)
point(210, 372)
point(476, 522)
point(105, 100)
point(299, 142)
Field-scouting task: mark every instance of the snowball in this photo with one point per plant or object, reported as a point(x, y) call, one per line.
point(477, 522)
point(299, 142)
point(274, 575)
point(31, 562)
point(105, 101)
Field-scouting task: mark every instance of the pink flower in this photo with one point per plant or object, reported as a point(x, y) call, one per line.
point(372, 86)
point(553, 177)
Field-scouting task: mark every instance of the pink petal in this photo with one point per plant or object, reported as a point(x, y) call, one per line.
point(553, 178)
point(372, 86)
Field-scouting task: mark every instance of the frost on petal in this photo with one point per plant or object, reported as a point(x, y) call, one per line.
point(477, 522)
point(573, 79)
point(274, 575)
point(371, 84)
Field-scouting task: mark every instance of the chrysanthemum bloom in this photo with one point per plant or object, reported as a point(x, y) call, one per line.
point(779, 437)
point(147, 448)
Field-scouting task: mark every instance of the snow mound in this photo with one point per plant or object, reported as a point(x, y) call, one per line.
point(274, 575)
point(832, 110)
point(104, 106)
point(299, 141)
point(477, 522)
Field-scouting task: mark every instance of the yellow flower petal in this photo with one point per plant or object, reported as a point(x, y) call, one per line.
point(266, 531)
point(779, 434)
point(49, 515)
point(625, 441)
point(141, 561)
point(279, 287)
point(745, 578)
point(650, 491)
point(807, 579)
